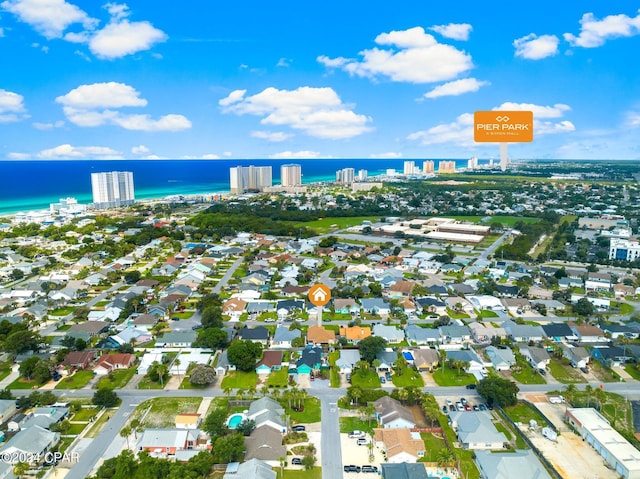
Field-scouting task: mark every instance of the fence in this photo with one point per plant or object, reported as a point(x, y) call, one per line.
point(548, 466)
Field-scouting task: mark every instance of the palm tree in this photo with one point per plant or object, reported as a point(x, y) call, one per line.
point(403, 395)
point(444, 458)
point(569, 391)
point(355, 393)
point(126, 432)
point(176, 363)
point(282, 461)
point(135, 425)
point(20, 469)
point(369, 411)
point(589, 390)
point(264, 390)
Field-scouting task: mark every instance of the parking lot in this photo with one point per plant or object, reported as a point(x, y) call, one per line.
point(352, 454)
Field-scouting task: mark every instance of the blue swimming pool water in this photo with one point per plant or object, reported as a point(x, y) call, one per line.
point(407, 355)
point(234, 420)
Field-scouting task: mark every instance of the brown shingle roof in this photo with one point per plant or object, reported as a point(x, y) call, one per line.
point(317, 334)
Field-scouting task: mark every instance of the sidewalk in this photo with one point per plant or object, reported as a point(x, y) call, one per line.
point(623, 374)
point(13, 375)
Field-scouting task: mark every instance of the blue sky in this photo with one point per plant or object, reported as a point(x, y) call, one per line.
point(376, 79)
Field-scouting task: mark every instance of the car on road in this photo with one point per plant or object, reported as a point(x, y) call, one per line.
point(296, 461)
point(356, 434)
point(270, 320)
point(298, 428)
point(471, 386)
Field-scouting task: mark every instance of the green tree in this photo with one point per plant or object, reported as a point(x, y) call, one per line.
point(80, 344)
point(308, 461)
point(244, 354)
point(216, 423)
point(371, 346)
point(246, 427)
point(43, 370)
point(201, 464)
point(202, 375)
point(583, 307)
point(213, 338)
point(105, 397)
point(132, 277)
point(22, 341)
point(212, 317)
point(497, 390)
point(16, 275)
point(298, 342)
point(158, 372)
point(28, 366)
point(228, 448)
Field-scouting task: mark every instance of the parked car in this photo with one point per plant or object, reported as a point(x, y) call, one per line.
point(356, 434)
point(471, 386)
point(467, 407)
point(387, 376)
point(298, 428)
point(197, 326)
point(349, 377)
point(368, 468)
point(175, 318)
point(475, 407)
point(270, 320)
point(482, 407)
point(463, 401)
point(352, 468)
point(445, 409)
point(584, 369)
point(459, 406)
point(382, 380)
point(449, 402)
point(542, 371)
point(363, 441)
point(452, 407)
point(296, 461)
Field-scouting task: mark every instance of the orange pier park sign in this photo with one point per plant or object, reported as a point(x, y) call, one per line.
point(319, 294)
point(503, 126)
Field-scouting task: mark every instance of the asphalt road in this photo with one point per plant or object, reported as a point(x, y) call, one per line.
point(330, 442)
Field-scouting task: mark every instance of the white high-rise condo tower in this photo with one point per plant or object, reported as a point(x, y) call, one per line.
point(112, 188)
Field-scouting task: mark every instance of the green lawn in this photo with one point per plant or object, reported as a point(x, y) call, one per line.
point(84, 414)
point(564, 372)
point(633, 370)
point(147, 383)
point(98, 425)
point(468, 466)
point(450, 377)
point(315, 473)
point(349, 423)
point(117, 379)
point(433, 444)
point(603, 374)
point(365, 378)
point(76, 429)
point(410, 377)
point(78, 380)
point(456, 315)
point(4, 372)
point(486, 313)
point(64, 443)
point(310, 414)
point(524, 373)
point(521, 412)
point(625, 308)
point(62, 311)
point(163, 410)
point(323, 225)
point(240, 380)
point(183, 315)
point(278, 379)
point(22, 383)
point(334, 372)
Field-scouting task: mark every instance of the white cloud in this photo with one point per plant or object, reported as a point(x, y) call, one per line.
point(318, 112)
point(549, 127)
point(228, 154)
point(209, 156)
point(533, 47)
point(594, 32)
point(11, 107)
point(122, 38)
point(633, 119)
point(456, 87)
point(48, 126)
point(284, 62)
point(304, 154)
point(389, 154)
point(67, 151)
point(95, 105)
point(102, 95)
point(416, 58)
point(455, 31)
point(49, 17)
point(274, 136)
point(140, 150)
point(539, 111)
point(459, 132)
point(18, 156)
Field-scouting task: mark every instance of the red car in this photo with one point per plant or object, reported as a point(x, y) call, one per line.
point(467, 407)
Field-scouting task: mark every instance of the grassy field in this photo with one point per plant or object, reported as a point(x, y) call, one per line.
point(240, 380)
point(410, 377)
point(564, 372)
point(120, 378)
point(78, 380)
point(62, 311)
point(523, 413)
point(486, 313)
point(76, 429)
point(315, 473)
point(183, 315)
point(524, 373)
point(603, 374)
point(323, 225)
point(365, 378)
point(98, 425)
point(310, 414)
point(147, 383)
point(633, 370)
point(85, 414)
point(162, 411)
point(278, 379)
point(433, 444)
point(22, 383)
point(348, 424)
point(450, 377)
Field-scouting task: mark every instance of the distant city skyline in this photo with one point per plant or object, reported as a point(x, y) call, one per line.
point(212, 80)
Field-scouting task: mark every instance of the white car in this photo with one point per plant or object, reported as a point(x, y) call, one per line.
point(269, 320)
point(363, 441)
point(354, 434)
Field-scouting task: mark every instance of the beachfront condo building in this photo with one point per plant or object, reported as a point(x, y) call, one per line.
point(410, 168)
point(112, 188)
point(346, 176)
point(446, 167)
point(251, 178)
point(291, 175)
point(428, 166)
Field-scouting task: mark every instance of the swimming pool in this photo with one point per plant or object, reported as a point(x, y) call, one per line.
point(235, 420)
point(407, 355)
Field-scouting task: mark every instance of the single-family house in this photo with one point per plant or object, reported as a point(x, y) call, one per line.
point(392, 334)
point(7, 408)
point(79, 359)
point(538, 357)
point(33, 442)
point(501, 359)
point(559, 332)
point(421, 336)
point(401, 289)
point(454, 334)
point(588, 333)
point(91, 328)
point(267, 412)
point(188, 421)
point(601, 282)
point(469, 356)
point(404, 470)
point(375, 306)
point(234, 307)
point(317, 334)
point(432, 305)
point(399, 445)
point(144, 321)
point(348, 360)
point(578, 356)
point(484, 332)
point(112, 362)
point(167, 441)
point(616, 331)
point(176, 339)
point(425, 359)
point(391, 414)
point(612, 355)
point(259, 334)
point(310, 360)
point(223, 365)
point(520, 464)
point(271, 361)
point(475, 430)
point(283, 337)
point(355, 334)
point(523, 333)
point(265, 443)
point(387, 358)
point(251, 469)
point(346, 306)
point(44, 417)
